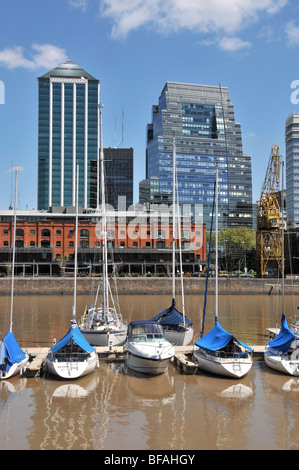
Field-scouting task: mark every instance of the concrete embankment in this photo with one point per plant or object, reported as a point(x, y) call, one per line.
point(147, 285)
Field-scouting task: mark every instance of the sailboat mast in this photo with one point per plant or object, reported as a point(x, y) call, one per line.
point(282, 235)
point(216, 249)
point(181, 259)
point(76, 246)
point(13, 251)
point(104, 242)
point(173, 217)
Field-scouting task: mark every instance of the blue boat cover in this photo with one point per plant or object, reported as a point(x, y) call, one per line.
point(10, 352)
point(75, 335)
point(217, 339)
point(285, 337)
point(171, 316)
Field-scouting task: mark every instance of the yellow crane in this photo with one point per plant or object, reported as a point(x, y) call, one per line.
point(268, 239)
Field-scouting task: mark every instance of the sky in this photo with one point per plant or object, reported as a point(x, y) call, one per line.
point(134, 47)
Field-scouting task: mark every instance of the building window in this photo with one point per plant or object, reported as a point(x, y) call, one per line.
point(5, 243)
point(160, 234)
point(58, 232)
point(185, 234)
point(84, 233)
point(110, 233)
point(58, 243)
point(19, 232)
point(32, 243)
point(84, 244)
point(71, 244)
point(45, 232)
point(45, 244)
point(135, 244)
point(32, 232)
point(5, 232)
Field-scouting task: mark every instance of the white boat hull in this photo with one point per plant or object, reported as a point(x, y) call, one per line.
point(70, 369)
point(181, 337)
point(228, 367)
point(282, 362)
point(15, 369)
point(104, 338)
point(148, 359)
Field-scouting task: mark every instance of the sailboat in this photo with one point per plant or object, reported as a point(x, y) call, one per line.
point(103, 325)
point(177, 327)
point(146, 349)
point(72, 356)
point(282, 352)
point(219, 352)
point(13, 359)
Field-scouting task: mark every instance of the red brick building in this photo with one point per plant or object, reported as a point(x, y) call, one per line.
point(45, 242)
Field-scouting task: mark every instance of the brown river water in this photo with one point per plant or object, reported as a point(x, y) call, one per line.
point(113, 409)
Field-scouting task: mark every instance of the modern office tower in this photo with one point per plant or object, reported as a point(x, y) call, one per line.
point(292, 169)
point(148, 189)
point(202, 119)
point(118, 167)
point(68, 127)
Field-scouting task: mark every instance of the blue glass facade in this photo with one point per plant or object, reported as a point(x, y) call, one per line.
point(67, 135)
point(202, 119)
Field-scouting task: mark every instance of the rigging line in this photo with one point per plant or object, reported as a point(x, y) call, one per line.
point(208, 266)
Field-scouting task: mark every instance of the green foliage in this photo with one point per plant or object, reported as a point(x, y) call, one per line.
point(239, 238)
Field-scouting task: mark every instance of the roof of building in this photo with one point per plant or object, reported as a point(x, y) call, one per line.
point(69, 70)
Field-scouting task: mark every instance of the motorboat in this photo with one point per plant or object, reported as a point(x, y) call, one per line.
point(146, 349)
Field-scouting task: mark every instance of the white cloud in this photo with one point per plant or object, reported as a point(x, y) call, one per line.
point(292, 33)
point(225, 16)
point(46, 56)
point(79, 4)
point(233, 44)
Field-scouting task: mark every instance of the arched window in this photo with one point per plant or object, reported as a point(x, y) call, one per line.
point(19, 232)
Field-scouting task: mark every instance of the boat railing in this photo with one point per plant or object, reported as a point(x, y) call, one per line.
point(222, 354)
point(70, 357)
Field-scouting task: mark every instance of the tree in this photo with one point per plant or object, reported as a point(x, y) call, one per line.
point(236, 247)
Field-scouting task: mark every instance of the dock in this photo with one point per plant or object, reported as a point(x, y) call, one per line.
point(182, 358)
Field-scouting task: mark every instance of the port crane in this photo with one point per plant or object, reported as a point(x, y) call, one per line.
point(268, 236)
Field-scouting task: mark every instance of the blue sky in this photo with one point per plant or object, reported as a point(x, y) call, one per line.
point(133, 47)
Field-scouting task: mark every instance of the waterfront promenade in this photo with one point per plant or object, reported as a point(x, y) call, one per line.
point(147, 285)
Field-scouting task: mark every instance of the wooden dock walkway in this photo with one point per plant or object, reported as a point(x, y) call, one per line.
point(182, 359)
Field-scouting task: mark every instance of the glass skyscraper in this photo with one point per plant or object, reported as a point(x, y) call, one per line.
point(202, 119)
point(68, 127)
point(119, 175)
point(292, 169)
